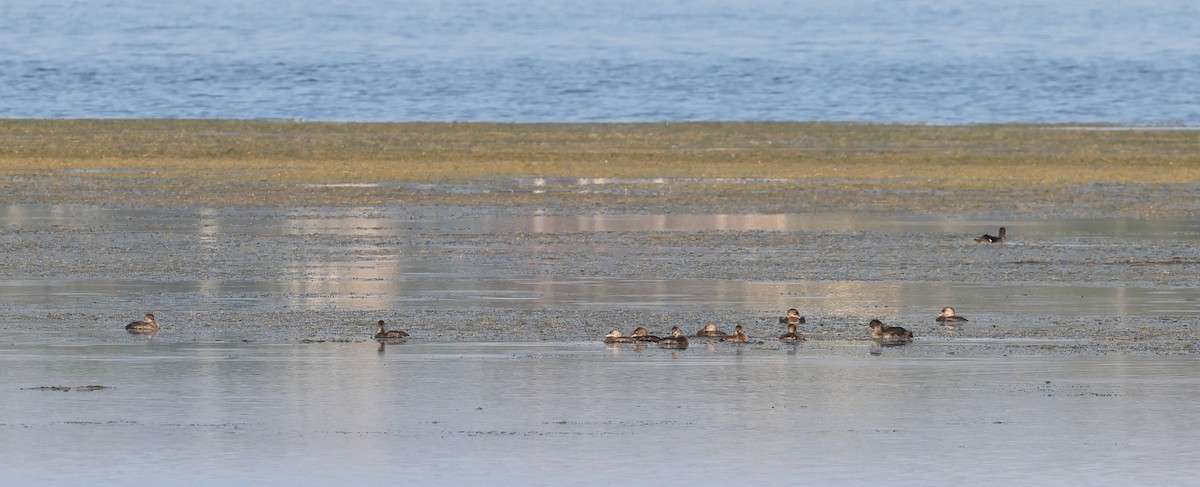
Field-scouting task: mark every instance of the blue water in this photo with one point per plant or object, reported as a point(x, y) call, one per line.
point(937, 61)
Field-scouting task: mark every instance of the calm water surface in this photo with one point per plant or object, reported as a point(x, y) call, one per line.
point(354, 271)
point(940, 61)
point(200, 407)
point(558, 413)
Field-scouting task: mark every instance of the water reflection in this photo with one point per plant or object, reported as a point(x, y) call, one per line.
point(356, 258)
point(374, 221)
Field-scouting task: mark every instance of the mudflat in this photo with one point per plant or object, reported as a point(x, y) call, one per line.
point(1100, 171)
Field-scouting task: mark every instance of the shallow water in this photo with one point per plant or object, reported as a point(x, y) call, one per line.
point(926, 61)
point(379, 259)
point(581, 413)
point(1077, 366)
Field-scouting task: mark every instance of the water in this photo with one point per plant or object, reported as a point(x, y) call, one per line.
point(581, 414)
point(381, 259)
point(1074, 369)
point(937, 61)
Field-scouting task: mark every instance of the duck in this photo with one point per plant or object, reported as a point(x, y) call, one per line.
point(710, 330)
point(676, 340)
point(615, 336)
point(738, 336)
point(947, 317)
point(384, 334)
point(641, 335)
point(891, 333)
point(147, 325)
point(985, 238)
point(792, 335)
point(793, 316)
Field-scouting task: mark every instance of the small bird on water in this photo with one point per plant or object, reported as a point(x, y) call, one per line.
point(889, 333)
point(738, 336)
point(147, 325)
point(793, 316)
point(990, 239)
point(710, 330)
point(792, 335)
point(676, 340)
point(385, 334)
point(947, 317)
point(615, 336)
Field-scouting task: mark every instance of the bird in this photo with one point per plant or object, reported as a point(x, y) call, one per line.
point(147, 325)
point(793, 315)
point(792, 335)
point(990, 239)
point(677, 340)
point(890, 333)
point(641, 335)
point(947, 317)
point(615, 336)
point(384, 334)
point(738, 336)
point(710, 330)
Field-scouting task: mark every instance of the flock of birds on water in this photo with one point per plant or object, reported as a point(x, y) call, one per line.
point(881, 333)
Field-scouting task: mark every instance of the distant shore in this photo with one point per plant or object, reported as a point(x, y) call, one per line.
point(747, 167)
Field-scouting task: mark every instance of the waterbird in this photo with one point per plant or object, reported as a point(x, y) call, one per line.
point(792, 335)
point(147, 325)
point(710, 330)
point(890, 333)
point(676, 340)
point(641, 335)
point(384, 334)
point(793, 316)
point(990, 239)
point(738, 336)
point(615, 336)
point(947, 317)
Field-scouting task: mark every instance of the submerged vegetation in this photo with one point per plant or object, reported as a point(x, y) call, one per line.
point(777, 165)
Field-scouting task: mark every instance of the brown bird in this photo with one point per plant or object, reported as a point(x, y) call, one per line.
point(383, 334)
point(147, 325)
point(738, 336)
point(889, 333)
point(641, 335)
point(615, 336)
point(792, 335)
point(677, 340)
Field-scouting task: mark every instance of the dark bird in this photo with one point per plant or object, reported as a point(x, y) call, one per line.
point(990, 239)
point(147, 325)
point(384, 334)
point(738, 336)
point(889, 333)
point(677, 340)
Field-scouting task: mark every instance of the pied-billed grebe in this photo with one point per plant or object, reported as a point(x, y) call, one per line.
point(676, 340)
point(792, 335)
point(793, 316)
point(948, 317)
point(384, 334)
point(615, 336)
point(990, 239)
point(147, 325)
point(641, 335)
point(891, 333)
point(710, 330)
point(738, 336)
